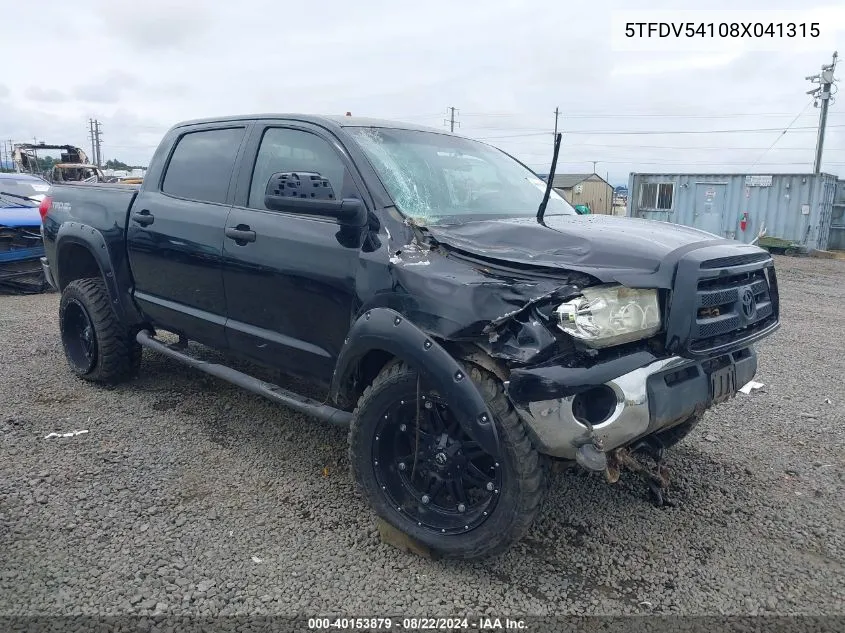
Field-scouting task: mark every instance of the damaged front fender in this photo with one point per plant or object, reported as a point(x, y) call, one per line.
point(458, 300)
point(386, 330)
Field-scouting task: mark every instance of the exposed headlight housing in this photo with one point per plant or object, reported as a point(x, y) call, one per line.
point(610, 315)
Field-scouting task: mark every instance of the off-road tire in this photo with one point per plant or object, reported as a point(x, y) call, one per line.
point(523, 483)
point(670, 437)
point(118, 355)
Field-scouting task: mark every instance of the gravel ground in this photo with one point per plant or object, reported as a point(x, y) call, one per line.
point(192, 496)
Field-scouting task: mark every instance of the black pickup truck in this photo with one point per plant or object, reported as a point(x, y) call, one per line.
point(465, 336)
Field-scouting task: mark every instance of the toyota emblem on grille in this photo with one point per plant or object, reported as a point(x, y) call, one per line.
point(749, 305)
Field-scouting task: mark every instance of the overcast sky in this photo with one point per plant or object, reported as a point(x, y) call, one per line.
point(505, 64)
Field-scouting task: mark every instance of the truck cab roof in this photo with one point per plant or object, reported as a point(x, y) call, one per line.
point(327, 121)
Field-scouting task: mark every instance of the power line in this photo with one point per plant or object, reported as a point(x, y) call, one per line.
point(663, 162)
point(782, 134)
point(430, 115)
point(654, 132)
point(628, 115)
point(151, 146)
point(721, 148)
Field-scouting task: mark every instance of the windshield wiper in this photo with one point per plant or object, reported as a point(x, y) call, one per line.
point(14, 195)
point(542, 210)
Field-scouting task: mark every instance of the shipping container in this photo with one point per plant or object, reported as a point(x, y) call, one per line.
point(837, 221)
point(797, 208)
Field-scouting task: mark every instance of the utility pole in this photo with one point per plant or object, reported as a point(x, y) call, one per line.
point(594, 165)
point(825, 80)
point(451, 120)
point(93, 140)
point(98, 131)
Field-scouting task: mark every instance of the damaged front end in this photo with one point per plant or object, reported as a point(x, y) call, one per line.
point(505, 312)
point(591, 365)
point(21, 244)
point(21, 250)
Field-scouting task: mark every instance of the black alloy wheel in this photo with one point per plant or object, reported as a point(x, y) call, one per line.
point(98, 347)
point(422, 473)
point(431, 469)
point(78, 336)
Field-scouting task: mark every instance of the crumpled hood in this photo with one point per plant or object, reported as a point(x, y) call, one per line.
point(14, 216)
point(594, 244)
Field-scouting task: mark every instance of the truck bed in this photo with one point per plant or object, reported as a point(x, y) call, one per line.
point(100, 205)
point(95, 213)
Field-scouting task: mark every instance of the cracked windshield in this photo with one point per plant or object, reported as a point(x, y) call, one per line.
point(442, 179)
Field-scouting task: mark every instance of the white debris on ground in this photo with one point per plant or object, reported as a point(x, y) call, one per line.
point(69, 434)
point(747, 387)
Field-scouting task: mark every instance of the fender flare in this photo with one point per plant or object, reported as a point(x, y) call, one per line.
point(94, 242)
point(387, 330)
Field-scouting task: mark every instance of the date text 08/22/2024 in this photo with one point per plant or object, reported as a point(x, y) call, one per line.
point(417, 624)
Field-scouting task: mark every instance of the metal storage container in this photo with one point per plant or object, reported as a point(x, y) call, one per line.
point(797, 208)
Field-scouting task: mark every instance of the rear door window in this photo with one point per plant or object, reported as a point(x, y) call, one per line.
point(202, 164)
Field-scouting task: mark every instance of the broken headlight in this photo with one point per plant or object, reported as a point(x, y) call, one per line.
point(610, 315)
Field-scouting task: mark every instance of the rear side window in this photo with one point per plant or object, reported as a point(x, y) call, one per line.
point(202, 165)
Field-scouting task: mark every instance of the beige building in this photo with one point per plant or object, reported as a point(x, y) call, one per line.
point(589, 189)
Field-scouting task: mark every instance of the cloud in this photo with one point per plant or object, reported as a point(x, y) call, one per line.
point(97, 93)
point(107, 89)
point(160, 26)
point(663, 64)
point(4, 91)
point(504, 66)
point(36, 93)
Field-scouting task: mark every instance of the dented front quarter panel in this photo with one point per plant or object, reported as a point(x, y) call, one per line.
point(458, 300)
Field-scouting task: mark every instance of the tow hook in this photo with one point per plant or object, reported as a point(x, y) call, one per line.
point(646, 459)
point(590, 455)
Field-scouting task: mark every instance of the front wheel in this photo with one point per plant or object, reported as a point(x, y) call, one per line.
point(425, 476)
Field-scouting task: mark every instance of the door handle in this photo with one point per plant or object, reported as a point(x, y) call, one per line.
point(241, 234)
point(143, 217)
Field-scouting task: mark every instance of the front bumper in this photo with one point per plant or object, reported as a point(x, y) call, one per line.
point(650, 398)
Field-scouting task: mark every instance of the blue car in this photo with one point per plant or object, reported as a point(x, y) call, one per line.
point(21, 247)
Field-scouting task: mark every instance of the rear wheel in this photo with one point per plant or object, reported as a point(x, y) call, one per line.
point(97, 345)
point(424, 475)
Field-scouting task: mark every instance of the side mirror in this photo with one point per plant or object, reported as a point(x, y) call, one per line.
point(309, 192)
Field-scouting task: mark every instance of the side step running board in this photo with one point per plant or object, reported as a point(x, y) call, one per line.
point(290, 399)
